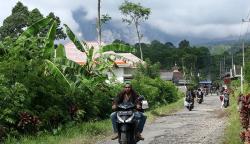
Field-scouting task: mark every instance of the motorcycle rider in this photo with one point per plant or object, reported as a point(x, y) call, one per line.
point(226, 92)
point(200, 93)
point(128, 95)
point(190, 94)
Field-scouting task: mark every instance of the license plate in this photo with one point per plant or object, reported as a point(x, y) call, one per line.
point(125, 113)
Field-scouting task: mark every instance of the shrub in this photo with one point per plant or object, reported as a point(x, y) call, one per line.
point(28, 123)
point(155, 90)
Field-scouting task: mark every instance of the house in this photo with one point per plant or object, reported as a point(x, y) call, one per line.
point(125, 66)
point(178, 77)
point(166, 75)
point(174, 75)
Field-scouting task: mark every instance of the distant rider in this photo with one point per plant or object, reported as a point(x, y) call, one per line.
point(190, 96)
point(200, 94)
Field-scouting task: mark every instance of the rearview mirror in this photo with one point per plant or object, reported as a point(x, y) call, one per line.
point(145, 104)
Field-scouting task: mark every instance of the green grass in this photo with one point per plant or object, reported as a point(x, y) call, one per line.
point(233, 129)
point(164, 110)
point(83, 133)
point(89, 133)
point(232, 132)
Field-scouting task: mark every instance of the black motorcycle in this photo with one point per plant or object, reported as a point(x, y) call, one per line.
point(190, 103)
point(126, 123)
point(226, 100)
point(199, 97)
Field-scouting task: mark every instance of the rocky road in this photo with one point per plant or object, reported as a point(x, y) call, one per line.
point(205, 124)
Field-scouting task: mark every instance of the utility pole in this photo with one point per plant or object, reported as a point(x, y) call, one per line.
point(241, 80)
point(224, 65)
point(232, 53)
point(99, 32)
point(183, 68)
point(243, 54)
point(243, 60)
point(220, 68)
point(243, 46)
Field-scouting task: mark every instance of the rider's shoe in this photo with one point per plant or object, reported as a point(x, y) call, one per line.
point(114, 136)
point(139, 136)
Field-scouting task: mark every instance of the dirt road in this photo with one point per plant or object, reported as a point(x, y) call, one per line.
point(203, 125)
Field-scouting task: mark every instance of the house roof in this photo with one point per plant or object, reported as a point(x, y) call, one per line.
point(127, 60)
point(177, 75)
point(166, 75)
point(205, 82)
point(72, 53)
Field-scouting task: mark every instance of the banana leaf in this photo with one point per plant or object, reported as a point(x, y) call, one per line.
point(60, 51)
point(74, 39)
point(34, 29)
point(49, 41)
point(56, 72)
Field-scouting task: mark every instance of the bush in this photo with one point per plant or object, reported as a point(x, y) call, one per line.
point(156, 90)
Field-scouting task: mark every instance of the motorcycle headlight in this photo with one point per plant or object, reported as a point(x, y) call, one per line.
point(130, 118)
point(119, 118)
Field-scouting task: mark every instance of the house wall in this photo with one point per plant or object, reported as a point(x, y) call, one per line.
point(119, 73)
point(122, 74)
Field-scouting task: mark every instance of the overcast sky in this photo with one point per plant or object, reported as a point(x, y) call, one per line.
point(199, 18)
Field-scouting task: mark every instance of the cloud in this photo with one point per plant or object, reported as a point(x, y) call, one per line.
point(5, 9)
point(208, 19)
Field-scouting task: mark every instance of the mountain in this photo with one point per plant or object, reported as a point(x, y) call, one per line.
point(116, 29)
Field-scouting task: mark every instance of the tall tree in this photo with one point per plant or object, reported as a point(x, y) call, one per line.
point(14, 24)
point(21, 18)
point(184, 44)
point(135, 14)
point(59, 30)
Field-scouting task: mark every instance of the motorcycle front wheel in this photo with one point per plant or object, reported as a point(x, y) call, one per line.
point(127, 138)
point(123, 139)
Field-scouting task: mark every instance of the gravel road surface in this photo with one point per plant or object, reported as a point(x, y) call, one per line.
point(205, 124)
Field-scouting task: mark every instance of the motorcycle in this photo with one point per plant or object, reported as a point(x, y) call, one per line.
point(189, 103)
point(199, 97)
point(199, 100)
point(226, 100)
point(126, 122)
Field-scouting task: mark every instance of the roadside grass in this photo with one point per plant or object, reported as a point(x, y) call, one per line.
point(90, 132)
point(233, 128)
point(86, 133)
point(164, 110)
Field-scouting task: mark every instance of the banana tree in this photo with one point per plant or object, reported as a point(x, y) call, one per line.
point(67, 71)
point(98, 62)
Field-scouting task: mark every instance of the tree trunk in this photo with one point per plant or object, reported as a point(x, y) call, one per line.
point(139, 39)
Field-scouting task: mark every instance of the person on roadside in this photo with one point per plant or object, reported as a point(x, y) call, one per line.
point(128, 95)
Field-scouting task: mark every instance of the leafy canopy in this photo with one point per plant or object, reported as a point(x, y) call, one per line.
point(134, 13)
point(21, 18)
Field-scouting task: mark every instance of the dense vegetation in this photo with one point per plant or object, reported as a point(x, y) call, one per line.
point(41, 90)
point(190, 59)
